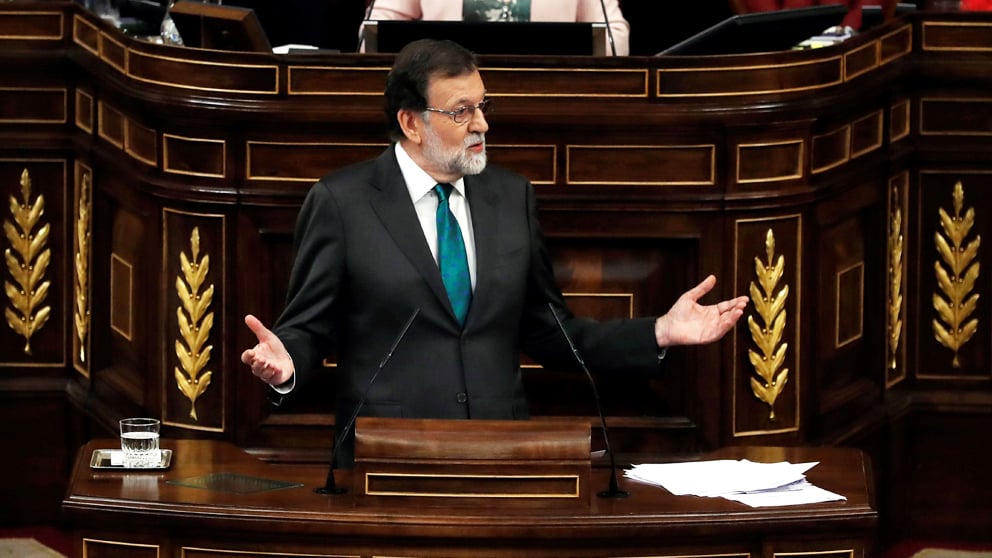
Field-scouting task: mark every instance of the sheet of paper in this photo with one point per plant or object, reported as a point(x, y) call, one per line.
point(713, 478)
point(748, 482)
point(793, 495)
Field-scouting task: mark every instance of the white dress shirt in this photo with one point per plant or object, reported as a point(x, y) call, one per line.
point(425, 201)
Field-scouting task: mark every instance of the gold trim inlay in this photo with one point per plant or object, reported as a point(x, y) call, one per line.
point(957, 280)
point(282, 553)
point(771, 309)
point(574, 494)
point(107, 39)
point(927, 25)
point(78, 21)
point(59, 15)
point(838, 60)
point(896, 135)
point(879, 134)
point(195, 324)
point(125, 330)
point(642, 73)
point(858, 268)
point(205, 67)
point(81, 261)
point(845, 132)
point(709, 181)
point(798, 173)
point(848, 551)
point(875, 46)
point(82, 125)
point(102, 110)
point(907, 48)
point(929, 101)
point(339, 92)
point(27, 261)
point(157, 548)
point(128, 143)
point(56, 120)
point(896, 274)
point(168, 168)
point(741, 258)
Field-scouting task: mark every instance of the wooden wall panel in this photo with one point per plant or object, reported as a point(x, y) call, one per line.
point(897, 253)
point(964, 353)
point(303, 162)
point(194, 309)
point(32, 25)
point(206, 157)
point(33, 105)
point(767, 375)
point(646, 165)
point(770, 161)
point(651, 172)
point(336, 81)
point(955, 116)
point(34, 266)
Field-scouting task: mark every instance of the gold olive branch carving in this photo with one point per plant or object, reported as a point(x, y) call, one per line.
point(195, 323)
point(770, 307)
point(27, 261)
point(896, 246)
point(956, 281)
point(81, 315)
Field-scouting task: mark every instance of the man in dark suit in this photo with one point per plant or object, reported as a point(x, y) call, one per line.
point(373, 250)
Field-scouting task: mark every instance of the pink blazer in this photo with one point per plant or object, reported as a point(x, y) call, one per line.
point(541, 10)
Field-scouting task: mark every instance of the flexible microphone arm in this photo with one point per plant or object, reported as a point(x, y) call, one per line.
point(614, 489)
point(368, 15)
point(330, 487)
point(609, 35)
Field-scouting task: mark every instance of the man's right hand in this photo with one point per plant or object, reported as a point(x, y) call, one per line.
point(269, 359)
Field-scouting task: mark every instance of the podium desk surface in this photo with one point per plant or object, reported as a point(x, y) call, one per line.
point(103, 500)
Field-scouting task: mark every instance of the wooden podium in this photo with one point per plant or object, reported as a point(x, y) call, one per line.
point(459, 462)
point(159, 513)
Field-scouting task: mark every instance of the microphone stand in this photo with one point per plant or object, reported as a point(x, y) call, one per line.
point(330, 486)
point(614, 489)
point(609, 34)
point(368, 16)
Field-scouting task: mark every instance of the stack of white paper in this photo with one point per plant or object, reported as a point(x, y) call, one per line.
point(748, 482)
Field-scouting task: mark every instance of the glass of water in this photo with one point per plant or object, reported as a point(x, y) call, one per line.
point(139, 442)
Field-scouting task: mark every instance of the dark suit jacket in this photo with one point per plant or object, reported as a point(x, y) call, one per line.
point(363, 267)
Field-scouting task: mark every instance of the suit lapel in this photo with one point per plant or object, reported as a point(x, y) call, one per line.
point(483, 199)
point(391, 202)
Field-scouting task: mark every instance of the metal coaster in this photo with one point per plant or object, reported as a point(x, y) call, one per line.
point(234, 483)
point(101, 459)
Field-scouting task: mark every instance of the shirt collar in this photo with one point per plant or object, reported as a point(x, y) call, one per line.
point(418, 182)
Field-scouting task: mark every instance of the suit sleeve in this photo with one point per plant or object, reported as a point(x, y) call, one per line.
point(307, 324)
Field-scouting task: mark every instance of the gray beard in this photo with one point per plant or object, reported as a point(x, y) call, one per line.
point(457, 161)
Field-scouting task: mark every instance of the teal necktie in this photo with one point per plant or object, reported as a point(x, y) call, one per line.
point(451, 257)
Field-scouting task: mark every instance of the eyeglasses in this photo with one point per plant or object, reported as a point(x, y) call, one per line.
point(462, 115)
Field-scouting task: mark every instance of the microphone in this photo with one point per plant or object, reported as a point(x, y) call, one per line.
point(361, 37)
point(330, 487)
point(614, 489)
point(613, 49)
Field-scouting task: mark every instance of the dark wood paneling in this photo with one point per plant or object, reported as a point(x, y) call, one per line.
point(971, 223)
point(651, 172)
point(34, 269)
point(33, 105)
point(34, 437)
point(947, 488)
point(32, 25)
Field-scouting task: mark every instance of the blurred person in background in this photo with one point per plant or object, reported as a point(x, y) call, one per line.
point(509, 10)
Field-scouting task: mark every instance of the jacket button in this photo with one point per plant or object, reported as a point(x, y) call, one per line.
point(461, 397)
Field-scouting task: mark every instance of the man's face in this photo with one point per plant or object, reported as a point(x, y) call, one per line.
point(450, 150)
